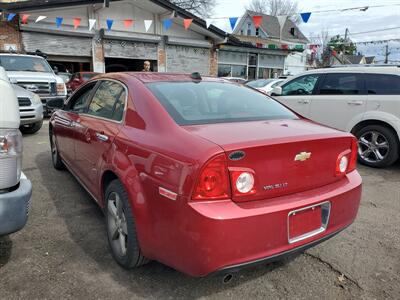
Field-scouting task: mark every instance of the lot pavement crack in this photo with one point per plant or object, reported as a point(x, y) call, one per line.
point(353, 281)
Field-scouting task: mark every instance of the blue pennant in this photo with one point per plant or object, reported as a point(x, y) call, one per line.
point(233, 22)
point(10, 16)
point(59, 21)
point(109, 23)
point(305, 16)
point(167, 24)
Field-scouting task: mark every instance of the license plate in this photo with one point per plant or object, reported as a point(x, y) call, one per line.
point(308, 221)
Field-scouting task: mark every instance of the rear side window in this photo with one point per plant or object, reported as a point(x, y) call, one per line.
point(342, 84)
point(191, 103)
point(106, 99)
point(383, 84)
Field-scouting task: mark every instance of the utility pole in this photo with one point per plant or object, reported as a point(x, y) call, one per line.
point(387, 53)
point(346, 35)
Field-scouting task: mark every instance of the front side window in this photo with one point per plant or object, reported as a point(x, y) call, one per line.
point(342, 84)
point(24, 64)
point(105, 99)
point(191, 103)
point(79, 101)
point(300, 86)
point(383, 84)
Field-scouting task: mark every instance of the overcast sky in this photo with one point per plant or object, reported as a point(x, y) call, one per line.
point(337, 22)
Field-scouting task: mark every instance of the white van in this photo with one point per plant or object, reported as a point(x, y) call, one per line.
point(362, 100)
point(15, 188)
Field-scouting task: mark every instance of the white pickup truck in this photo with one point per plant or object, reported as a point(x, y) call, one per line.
point(15, 188)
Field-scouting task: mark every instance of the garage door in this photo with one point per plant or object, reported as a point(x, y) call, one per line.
point(184, 59)
point(128, 49)
point(54, 44)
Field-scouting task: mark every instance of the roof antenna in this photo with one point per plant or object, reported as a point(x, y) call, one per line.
point(196, 76)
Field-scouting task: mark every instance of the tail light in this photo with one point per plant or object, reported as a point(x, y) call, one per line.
point(347, 160)
point(242, 181)
point(213, 182)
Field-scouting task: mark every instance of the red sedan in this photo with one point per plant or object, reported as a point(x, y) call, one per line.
point(77, 79)
point(204, 175)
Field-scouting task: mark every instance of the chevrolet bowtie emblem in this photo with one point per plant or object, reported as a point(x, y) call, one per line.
point(302, 156)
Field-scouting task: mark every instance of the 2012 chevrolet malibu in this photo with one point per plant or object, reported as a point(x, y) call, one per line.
point(202, 174)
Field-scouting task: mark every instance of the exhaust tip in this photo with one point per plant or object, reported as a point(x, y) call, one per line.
point(227, 278)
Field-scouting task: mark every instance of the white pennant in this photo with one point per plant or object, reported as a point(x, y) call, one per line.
point(209, 22)
point(282, 21)
point(147, 24)
point(91, 23)
point(40, 18)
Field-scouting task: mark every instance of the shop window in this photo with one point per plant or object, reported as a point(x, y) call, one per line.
point(224, 70)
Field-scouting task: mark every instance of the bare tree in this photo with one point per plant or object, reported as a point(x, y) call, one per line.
point(276, 8)
point(202, 8)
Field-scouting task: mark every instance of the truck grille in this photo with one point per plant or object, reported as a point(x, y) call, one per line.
point(40, 88)
point(22, 101)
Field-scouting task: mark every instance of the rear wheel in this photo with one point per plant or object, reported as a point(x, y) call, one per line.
point(121, 230)
point(31, 128)
point(378, 146)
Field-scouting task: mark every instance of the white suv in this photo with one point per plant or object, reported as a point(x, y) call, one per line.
point(362, 100)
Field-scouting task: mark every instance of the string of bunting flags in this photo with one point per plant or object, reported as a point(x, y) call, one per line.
point(167, 23)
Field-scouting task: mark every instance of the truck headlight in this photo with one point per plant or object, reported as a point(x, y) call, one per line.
point(61, 90)
point(36, 99)
point(10, 157)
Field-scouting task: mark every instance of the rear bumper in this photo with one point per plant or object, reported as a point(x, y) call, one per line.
point(14, 207)
point(224, 235)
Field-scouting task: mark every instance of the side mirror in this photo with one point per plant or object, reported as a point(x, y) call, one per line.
point(277, 91)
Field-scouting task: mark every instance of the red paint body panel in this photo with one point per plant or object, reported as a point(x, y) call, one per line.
point(149, 150)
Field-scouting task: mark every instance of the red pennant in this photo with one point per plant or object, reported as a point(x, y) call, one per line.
point(187, 23)
point(128, 23)
point(77, 22)
point(25, 19)
point(257, 20)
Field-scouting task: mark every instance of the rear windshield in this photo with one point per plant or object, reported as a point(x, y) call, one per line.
point(260, 83)
point(191, 103)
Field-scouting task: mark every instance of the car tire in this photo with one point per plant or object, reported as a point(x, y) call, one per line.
point(378, 146)
point(55, 155)
point(32, 128)
point(121, 229)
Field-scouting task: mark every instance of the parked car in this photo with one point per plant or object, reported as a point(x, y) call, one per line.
point(361, 100)
point(34, 74)
point(201, 174)
point(15, 188)
point(265, 85)
point(65, 76)
point(30, 110)
point(235, 79)
point(77, 79)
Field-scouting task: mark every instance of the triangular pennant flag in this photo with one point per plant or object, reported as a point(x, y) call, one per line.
point(257, 20)
point(109, 23)
point(10, 16)
point(59, 21)
point(167, 23)
point(187, 23)
point(209, 22)
point(77, 22)
point(147, 24)
point(128, 23)
point(24, 19)
point(233, 22)
point(92, 22)
point(305, 16)
point(40, 18)
point(282, 21)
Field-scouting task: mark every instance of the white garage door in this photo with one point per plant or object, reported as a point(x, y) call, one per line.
point(185, 59)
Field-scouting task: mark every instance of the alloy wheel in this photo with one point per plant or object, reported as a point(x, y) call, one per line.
point(373, 146)
point(117, 225)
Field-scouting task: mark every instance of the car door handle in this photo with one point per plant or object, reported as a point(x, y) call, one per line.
point(101, 137)
point(357, 102)
point(303, 101)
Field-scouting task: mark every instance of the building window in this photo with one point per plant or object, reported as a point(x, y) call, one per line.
point(249, 29)
point(224, 70)
point(257, 31)
point(231, 71)
point(241, 32)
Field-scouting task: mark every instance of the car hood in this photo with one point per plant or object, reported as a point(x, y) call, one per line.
point(21, 92)
point(19, 76)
